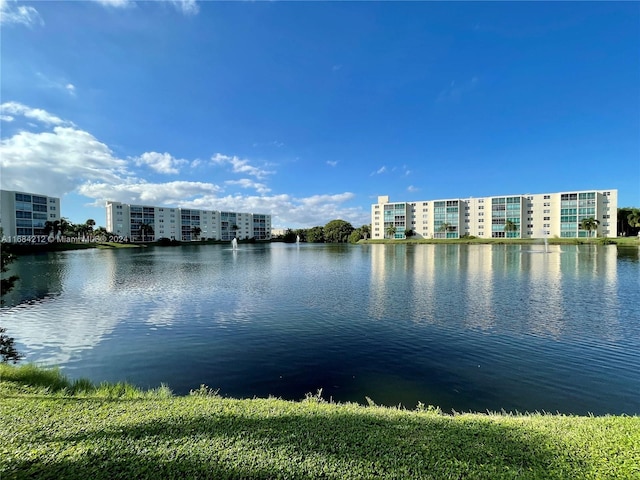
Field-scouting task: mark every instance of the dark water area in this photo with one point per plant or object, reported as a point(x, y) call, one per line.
point(464, 327)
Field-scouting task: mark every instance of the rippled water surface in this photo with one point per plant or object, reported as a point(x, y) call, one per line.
point(465, 327)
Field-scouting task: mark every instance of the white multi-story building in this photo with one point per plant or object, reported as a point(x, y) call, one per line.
point(184, 224)
point(25, 214)
point(511, 216)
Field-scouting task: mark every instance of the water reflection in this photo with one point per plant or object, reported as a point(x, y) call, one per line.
point(631, 254)
point(36, 284)
point(480, 311)
point(461, 326)
point(508, 287)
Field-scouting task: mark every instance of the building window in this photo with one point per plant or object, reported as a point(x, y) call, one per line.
point(546, 219)
point(547, 211)
point(547, 197)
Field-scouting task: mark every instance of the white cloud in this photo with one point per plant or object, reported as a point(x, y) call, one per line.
point(138, 191)
point(160, 162)
point(188, 7)
point(19, 14)
point(332, 163)
point(67, 159)
point(56, 162)
point(379, 171)
point(6, 118)
point(115, 3)
point(44, 81)
point(38, 114)
point(288, 211)
point(412, 189)
point(261, 188)
point(272, 143)
point(239, 165)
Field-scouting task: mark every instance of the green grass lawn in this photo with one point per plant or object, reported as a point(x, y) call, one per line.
point(53, 428)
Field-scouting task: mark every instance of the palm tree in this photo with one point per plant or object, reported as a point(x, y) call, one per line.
point(634, 218)
point(101, 234)
point(510, 226)
point(391, 231)
point(90, 223)
point(589, 224)
point(366, 230)
point(444, 227)
point(195, 231)
point(48, 227)
point(63, 225)
point(57, 227)
point(145, 230)
point(82, 230)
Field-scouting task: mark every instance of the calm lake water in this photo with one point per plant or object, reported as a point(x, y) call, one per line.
point(465, 327)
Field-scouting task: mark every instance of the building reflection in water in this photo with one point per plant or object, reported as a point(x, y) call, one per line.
point(516, 288)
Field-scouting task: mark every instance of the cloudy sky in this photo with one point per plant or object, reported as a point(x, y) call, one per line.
point(309, 111)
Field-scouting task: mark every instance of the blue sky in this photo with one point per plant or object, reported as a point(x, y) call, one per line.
point(310, 110)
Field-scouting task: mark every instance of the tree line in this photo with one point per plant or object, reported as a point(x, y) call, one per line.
point(336, 231)
point(65, 228)
point(628, 221)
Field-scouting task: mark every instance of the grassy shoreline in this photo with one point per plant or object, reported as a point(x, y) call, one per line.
point(53, 428)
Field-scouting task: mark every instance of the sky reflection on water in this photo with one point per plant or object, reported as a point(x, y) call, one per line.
point(468, 327)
